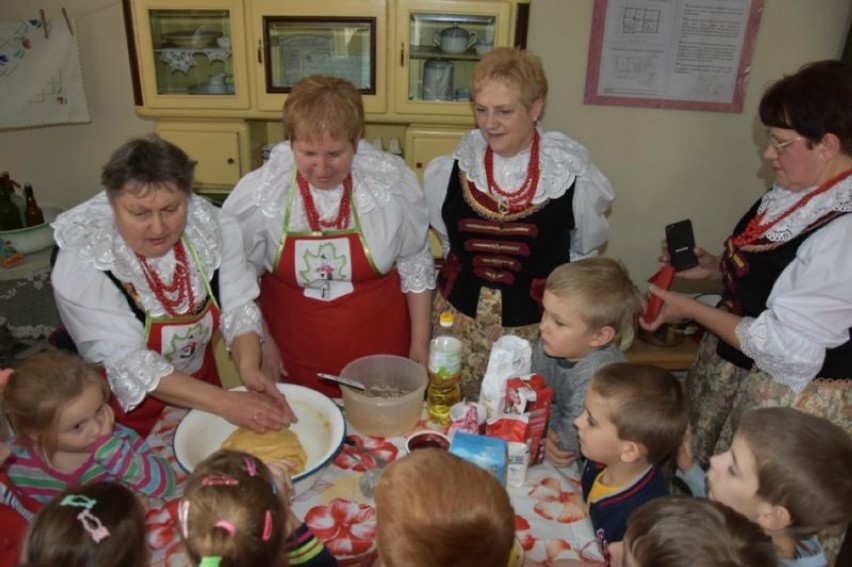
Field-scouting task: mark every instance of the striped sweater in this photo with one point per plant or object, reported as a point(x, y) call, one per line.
point(122, 457)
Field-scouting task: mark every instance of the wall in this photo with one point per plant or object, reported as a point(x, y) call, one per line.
point(664, 164)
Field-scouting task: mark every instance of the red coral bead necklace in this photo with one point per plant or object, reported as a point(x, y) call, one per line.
point(180, 288)
point(316, 223)
point(519, 200)
point(755, 229)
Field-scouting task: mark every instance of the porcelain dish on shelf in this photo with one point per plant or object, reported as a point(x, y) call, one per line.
point(197, 39)
point(321, 429)
point(34, 238)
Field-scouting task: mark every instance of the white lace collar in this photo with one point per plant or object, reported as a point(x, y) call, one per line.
point(778, 199)
point(88, 231)
point(375, 177)
point(562, 160)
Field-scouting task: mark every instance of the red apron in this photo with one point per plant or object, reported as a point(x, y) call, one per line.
point(185, 343)
point(326, 304)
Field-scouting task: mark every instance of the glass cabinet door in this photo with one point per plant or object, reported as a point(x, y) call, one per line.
point(439, 48)
point(348, 41)
point(192, 57)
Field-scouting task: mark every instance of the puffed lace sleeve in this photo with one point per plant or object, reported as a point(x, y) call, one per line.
point(436, 179)
point(242, 205)
point(593, 195)
point(809, 309)
point(105, 331)
point(237, 284)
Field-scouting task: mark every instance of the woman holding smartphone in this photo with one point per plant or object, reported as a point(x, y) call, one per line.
point(781, 333)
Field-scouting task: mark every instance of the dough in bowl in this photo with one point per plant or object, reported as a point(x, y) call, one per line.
point(269, 446)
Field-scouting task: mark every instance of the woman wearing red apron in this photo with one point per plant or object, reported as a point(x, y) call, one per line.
point(338, 231)
point(145, 276)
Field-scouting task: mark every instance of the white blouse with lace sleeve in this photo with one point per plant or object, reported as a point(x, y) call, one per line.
point(386, 196)
point(563, 161)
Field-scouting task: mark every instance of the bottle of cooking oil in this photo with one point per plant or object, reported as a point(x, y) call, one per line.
point(445, 355)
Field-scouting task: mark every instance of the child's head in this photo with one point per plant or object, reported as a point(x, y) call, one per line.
point(98, 525)
point(786, 470)
point(681, 530)
point(233, 508)
point(58, 400)
point(588, 304)
point(433, 508)
point(632, 413)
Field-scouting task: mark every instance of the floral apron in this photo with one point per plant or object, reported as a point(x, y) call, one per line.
point(185, 343)
point(326, 304)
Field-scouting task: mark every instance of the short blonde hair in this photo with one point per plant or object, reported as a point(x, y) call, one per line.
point(433, 508)
point(606, 297)
point(320, 105)
point(519, 68)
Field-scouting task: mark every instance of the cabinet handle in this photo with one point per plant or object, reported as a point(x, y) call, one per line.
point(418, 165)
point(260, 51)
point(402, 55)
point(230, 161)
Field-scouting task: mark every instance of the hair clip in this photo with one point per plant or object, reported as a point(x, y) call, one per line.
point(93, 525)
point(210, 561)
point(5, 373)
point(183, 517)
point(218, 480)
point(227, 526)
point(267, 526)
point(79, 501)
point(251, 467)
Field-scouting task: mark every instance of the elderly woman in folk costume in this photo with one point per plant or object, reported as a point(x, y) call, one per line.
point(146, 273)
point(510, 204)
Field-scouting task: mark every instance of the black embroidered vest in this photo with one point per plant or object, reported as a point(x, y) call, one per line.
point(513, 253)
point(749, 278)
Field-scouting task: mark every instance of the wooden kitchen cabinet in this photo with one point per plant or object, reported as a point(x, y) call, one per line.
point(220, 148)
point(213, 72)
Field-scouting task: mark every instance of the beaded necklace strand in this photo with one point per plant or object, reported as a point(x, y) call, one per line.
point(181, 283)
point(314, 220)
point(755, 229)
point(522, 198)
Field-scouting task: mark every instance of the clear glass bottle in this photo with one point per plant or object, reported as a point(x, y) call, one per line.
point(445, 356)
point(33, 212)
point(10, 214)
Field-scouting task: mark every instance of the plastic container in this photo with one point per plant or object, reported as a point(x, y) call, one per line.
point(374, 412)
point(445, 354)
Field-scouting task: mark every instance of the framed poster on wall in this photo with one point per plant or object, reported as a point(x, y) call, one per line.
point(679, 54)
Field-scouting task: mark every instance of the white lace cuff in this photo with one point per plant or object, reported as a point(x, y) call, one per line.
point(791, 362)
point(244, 319)
point(417, 273)
point(132, 375)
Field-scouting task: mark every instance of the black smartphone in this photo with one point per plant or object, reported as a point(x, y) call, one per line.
point(681, 242)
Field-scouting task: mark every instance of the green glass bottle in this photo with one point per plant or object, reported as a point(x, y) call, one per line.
point(10, 215)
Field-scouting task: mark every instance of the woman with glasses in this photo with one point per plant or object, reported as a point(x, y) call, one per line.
point(781, 333)
point(510, 204)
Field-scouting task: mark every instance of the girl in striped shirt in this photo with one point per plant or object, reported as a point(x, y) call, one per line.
point(66, 435)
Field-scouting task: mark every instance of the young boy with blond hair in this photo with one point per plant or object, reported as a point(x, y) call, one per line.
point(634, 416)
point(591, 308)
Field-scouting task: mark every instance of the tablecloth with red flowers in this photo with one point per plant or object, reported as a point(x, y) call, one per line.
point(551, 521)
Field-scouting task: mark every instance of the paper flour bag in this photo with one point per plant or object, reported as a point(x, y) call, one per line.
point(510, 356)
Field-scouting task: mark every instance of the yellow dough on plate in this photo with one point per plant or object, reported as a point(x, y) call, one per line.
point(269, 446)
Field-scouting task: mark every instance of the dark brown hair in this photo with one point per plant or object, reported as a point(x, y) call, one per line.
point(803, 464)
point(681, 530)
point(57, 536)
point(243, 500)
point(606, 297)
point(144, 164)
point(39, 387)
point(814, 101)
point(433, 508)
point(646, 405)
point(320, 105)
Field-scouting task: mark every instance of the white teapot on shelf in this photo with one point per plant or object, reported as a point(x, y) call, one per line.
point(454, 39)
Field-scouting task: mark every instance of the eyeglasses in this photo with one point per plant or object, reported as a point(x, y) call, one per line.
point(780, 147)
